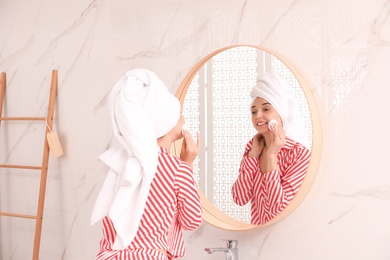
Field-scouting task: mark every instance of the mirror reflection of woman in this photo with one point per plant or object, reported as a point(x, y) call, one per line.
point(275, 160)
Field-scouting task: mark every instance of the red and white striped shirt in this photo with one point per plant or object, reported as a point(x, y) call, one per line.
point(173, 204)
point(271, 192)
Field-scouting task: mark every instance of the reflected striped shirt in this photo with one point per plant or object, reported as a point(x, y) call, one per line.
point(270, 192)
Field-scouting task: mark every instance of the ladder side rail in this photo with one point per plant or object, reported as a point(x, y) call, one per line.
point(45, 162)
point(2, 92)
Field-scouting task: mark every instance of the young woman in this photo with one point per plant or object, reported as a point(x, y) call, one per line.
point(274, 164)
point(148, 195)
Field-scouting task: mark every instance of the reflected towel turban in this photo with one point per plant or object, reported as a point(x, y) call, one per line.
point(273, 88)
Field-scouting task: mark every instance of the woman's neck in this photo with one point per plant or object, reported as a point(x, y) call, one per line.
point(164, 142)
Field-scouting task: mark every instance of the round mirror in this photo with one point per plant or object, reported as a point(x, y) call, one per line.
point(215, 101)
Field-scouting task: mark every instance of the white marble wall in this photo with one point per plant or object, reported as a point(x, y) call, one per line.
point(342, 46)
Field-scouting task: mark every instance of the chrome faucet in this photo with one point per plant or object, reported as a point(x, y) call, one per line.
point(231, 250)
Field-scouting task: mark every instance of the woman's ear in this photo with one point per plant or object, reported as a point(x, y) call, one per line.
point(281, 121)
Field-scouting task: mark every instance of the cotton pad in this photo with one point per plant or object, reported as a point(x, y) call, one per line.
point(272, 123)
point(184, 128)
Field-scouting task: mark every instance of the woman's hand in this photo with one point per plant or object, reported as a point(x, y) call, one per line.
point(276, 139)
point(189, 150)
point(257, 146)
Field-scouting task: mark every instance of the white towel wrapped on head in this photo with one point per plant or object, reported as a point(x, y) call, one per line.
point(142, 109)
point(273, 88)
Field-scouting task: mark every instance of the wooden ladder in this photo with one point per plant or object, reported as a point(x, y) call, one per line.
point(45, 159)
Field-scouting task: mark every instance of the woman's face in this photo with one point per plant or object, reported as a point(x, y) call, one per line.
point(262, 112)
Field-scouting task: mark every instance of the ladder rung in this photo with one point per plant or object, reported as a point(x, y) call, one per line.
point(20, 166)
point(17, 215)
point(23, 118)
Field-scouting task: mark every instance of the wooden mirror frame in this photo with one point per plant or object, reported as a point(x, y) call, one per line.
point(212, 214)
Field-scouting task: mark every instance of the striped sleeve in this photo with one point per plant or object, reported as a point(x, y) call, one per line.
point(242, 189)
point(188, 200)
point(281, 185)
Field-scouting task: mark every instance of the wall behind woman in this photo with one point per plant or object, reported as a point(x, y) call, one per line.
point(342, 47)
